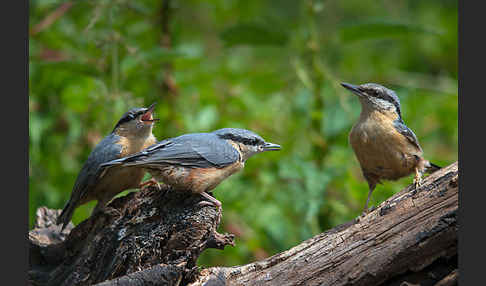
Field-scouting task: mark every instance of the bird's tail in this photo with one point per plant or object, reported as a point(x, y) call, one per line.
point(66, 214)
point(432, 168)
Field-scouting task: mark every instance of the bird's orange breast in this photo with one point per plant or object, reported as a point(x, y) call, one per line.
point(134, 145)
point(381, 149)
point(206, 179)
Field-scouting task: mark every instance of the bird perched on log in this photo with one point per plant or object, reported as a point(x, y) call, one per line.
point(198, 162)
point(384, 146)
point(132, 133)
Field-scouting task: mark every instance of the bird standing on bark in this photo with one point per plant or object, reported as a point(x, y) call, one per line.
point(132, 133)
point(198, 162)
point(384, 146)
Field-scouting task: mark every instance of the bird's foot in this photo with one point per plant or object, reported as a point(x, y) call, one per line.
point(360, 217)
point(417, 181)
point(212, 202)
point(148, 183)
point(364, 213)
point(206, 203)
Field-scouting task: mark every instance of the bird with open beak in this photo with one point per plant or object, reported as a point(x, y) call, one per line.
point(132, 133)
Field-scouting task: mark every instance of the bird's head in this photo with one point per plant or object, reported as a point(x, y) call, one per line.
point(375, 97)
point(248, 142)
point(136, 122)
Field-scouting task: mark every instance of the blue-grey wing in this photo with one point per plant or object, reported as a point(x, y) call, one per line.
point(105, 151)
point(198, 150)
point(405, 131)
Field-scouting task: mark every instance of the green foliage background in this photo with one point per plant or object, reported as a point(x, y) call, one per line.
point(273, 67)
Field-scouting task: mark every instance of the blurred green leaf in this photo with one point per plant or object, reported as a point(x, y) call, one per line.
point(203, 120)
point(132, 64)
point(253, 34)
point(81, 91)
point(71, 66)
point(381, 28)
point(160, 54)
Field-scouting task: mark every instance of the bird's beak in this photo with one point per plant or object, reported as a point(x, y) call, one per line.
point(147, 117)
point(151, 107)
point(353, 88)
point(271, 147)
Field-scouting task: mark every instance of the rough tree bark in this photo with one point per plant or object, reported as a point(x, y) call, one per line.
point(154, 237)
point(165, 229)
point(410, 239)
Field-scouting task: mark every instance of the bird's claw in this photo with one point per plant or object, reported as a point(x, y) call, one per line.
point(212, 202)
point(206, 203)
point(151, 182)
point(367, 211)
point(417, 183)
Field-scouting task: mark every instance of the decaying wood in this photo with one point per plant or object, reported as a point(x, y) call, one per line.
point(410, 239)
point(154, 237)
point(141, 230)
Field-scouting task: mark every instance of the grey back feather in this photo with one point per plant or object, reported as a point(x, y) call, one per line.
point(407, 132)
point(105, 151)
point(196, 150)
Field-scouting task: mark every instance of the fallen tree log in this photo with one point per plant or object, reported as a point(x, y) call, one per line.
point(140, 230)
point(410, 238)
point(155, 238)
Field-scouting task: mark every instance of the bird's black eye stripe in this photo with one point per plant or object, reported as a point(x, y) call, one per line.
point(372, 92)
point(139, 113)
point(385, 96)
point(132, 115)
point(381, 95)
point(246, 141)
point(388, 98)
point(126, 118)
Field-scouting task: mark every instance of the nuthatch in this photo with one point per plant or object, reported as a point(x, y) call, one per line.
point(198, 162)
point(385, 147)
point(132, 133)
